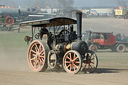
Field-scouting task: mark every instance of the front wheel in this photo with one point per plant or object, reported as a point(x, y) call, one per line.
point(72, 62)
point(90, 62)
point(93, 47)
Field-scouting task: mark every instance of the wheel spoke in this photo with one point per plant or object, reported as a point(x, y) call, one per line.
point(75, 66)
point(42, 52)
point(41, 60)
point(34, 55)
point(32, 59)
point(39, 63)
point(41, 56)
point(36, 61)
point(89, 66)
point(36, 48)
point(69, 66)
point(68, 58)
point(92, 59)
point(92, 62)
point(77, 62)
point(40, 48)
point(33, 51)
point(67, 61)
point(34, 64)
point(75, 58)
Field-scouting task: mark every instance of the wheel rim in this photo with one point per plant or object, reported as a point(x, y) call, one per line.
point(36, 56)
point(90, 62)
point(72, 62)
point(93, 48)
point(9, 20)
point(52, 59)
point(121, 48)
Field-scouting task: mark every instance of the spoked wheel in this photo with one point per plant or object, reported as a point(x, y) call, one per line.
point(90, 62)
point(9, 20)
point(72, 62)
point(93, 47)
point(37, 56)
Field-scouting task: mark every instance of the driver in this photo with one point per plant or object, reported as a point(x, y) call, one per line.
point(43, 31)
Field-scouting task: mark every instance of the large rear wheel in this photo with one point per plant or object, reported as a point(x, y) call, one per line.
point(90, 62)
point(72, 62)
point(37, 56)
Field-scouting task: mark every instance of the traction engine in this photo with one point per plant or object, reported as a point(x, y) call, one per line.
point(64, 49)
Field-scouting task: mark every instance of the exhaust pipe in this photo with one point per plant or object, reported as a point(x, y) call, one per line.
point(79, 24)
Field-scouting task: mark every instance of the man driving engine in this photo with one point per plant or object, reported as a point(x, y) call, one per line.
point(43, 31)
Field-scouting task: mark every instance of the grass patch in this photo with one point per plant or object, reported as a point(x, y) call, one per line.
point(13, 39)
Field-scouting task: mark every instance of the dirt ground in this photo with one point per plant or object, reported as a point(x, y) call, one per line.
point(112, 68)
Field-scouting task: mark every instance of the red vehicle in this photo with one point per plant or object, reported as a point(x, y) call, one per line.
point(104, 40)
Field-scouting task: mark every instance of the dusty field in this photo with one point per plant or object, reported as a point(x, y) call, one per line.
point(106, 25)
point(112, 69)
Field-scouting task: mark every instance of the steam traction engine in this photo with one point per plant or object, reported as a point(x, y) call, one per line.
point(60, 46)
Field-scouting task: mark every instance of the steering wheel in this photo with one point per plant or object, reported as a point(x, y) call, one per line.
point(63, 32)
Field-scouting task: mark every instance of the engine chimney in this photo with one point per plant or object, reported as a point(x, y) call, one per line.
point(79, 24)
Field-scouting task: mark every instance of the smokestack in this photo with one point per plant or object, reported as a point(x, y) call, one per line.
point(79, 24)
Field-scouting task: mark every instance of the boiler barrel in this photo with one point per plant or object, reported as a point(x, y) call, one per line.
point(79, 46)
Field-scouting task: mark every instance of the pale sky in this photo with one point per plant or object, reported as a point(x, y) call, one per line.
point(92, 3)
point(77, 3)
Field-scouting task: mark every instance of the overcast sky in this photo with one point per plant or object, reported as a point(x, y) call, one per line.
point(91, 3)
point(77, 3)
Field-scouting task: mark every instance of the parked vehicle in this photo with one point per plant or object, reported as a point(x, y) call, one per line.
point(13, 16)
point(105, 40)
point(6, 22)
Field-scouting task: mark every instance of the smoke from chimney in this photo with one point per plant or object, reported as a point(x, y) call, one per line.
point(66, 3)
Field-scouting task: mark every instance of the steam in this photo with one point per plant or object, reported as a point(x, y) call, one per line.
point(66, 3)
point(56, 3)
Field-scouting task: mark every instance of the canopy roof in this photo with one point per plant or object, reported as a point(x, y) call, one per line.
point(49, 22)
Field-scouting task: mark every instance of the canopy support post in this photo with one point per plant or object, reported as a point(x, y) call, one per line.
point(32, 33)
